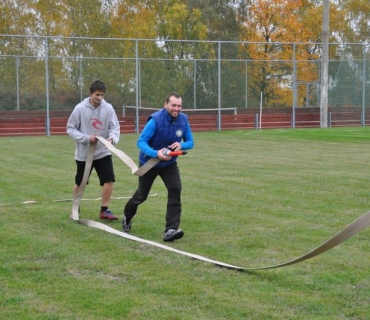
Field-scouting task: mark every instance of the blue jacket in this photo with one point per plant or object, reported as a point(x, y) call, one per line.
point(161, 131)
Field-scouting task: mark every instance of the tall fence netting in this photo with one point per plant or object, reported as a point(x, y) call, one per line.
point(54, 73)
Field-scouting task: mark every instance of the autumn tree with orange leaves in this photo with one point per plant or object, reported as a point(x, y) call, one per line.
point(273, 27)
point(282, 42)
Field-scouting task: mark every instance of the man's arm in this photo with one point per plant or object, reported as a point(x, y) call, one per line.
point(146, 135)
point(114, 128)
point(73, 128)
point(188, 140)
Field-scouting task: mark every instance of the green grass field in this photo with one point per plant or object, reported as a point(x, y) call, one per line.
point(250, 198)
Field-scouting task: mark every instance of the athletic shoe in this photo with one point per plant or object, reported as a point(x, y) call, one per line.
point(107, 215)
point(173, 234)
point(126, 227)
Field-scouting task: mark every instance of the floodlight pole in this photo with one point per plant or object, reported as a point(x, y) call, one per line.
point(324, 67)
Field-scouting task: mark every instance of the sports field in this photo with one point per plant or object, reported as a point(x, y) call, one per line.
point(250, 198)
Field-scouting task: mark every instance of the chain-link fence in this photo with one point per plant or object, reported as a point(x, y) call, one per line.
point(54, 73)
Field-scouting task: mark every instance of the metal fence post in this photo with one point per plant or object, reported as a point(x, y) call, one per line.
point(256, 121)
point(47, 124)
point(246, 84)
point(363, 115)
point(17, 76)
point(195, 83)
point(219, 88)
point(137, 125)
point(294, 86)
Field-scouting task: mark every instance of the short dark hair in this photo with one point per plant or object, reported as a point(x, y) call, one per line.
point(172, 94)
point(98, 85)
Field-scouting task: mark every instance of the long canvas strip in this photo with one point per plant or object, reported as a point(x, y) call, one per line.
point(67, 200)
point(128, 161)
point(348, 232)
point(340, 237)
point(77, 197)
point(90, 156)
point(146, 167)
point(101, 226)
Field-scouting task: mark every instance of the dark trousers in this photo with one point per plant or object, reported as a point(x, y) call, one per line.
point(170, 175)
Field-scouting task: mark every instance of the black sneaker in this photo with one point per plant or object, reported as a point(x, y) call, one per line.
point(126, 227)
point(173, 234)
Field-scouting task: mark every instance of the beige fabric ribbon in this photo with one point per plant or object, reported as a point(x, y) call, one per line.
point(351, 230)
point(128, 161)
point(120, 154)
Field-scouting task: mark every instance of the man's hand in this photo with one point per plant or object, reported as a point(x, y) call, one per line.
point(176, 146)
point(161, 156)
point(92, 138)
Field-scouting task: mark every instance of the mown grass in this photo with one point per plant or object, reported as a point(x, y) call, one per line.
point(250, 198)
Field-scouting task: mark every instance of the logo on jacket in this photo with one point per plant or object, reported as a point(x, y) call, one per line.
point(97, 124)
point(179, 133)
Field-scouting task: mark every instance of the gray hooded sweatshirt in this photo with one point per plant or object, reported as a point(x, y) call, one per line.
point(85, 120)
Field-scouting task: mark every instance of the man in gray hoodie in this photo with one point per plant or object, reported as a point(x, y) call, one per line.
point(91, 118)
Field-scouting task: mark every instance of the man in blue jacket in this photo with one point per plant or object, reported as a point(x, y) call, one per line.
point(166, 129)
